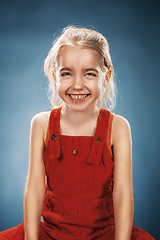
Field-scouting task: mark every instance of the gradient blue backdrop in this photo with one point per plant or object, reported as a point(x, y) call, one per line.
point(27, 30)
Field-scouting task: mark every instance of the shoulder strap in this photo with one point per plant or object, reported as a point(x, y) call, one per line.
point(48, 130)
point(99, 137)
point(108, 137)
point(55, 133)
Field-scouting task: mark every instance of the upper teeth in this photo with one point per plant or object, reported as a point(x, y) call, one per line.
point(78, 96)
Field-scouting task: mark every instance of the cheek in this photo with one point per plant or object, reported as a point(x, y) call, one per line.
point(98, 92)
point(61, 89)
point(97, 88)
point(100, 86)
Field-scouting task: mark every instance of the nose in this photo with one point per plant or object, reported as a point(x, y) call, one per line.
point(78, 83)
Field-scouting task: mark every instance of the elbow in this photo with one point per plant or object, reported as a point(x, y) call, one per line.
point(32, 195)
point(124, 199)
point(35, 189)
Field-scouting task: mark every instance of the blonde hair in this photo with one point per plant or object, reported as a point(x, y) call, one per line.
point(85, 38)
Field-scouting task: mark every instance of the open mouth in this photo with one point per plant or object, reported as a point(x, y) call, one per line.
point(78, 97)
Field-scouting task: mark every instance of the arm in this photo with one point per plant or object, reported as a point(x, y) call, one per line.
point(35, 185)
point(123, 199)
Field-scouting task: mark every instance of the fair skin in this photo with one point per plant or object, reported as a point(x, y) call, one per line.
point(74, 78)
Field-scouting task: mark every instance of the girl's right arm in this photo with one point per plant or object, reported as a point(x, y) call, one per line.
point(35, 185)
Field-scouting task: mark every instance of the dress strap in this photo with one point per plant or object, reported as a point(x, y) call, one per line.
point(99, 137)
point(55, 133)
point(108, 139)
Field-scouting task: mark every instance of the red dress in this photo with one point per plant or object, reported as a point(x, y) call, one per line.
point(78, 204)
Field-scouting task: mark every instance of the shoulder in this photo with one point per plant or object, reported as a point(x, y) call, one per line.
point(40, 122)
point(121, 129)
point(41, 118)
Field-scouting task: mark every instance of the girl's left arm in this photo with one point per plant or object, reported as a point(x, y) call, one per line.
point(123, 197)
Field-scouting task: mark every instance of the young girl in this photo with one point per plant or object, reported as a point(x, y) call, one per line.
point(83, 150)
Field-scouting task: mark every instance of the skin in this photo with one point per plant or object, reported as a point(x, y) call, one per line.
point(77, 79)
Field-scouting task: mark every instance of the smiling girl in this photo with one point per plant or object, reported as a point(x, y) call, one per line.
point(83, 150)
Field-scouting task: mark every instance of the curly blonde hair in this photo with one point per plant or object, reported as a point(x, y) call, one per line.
point(85, 38)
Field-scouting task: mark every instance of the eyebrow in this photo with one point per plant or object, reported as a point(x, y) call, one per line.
point(91, 69)
point(87, 69)
point(65, 68)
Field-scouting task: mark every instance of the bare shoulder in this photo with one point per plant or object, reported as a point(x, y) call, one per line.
point(41, 119)
point(120, 128)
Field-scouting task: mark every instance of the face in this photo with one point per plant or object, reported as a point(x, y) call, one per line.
point(79, 77)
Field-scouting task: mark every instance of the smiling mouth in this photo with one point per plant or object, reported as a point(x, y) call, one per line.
point(78, 96)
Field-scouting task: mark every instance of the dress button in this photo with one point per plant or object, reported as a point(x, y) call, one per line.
point(75, 151)
point(98, 140)
point(54, 137)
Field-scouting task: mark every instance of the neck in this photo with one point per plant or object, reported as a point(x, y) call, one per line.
point(79, 117)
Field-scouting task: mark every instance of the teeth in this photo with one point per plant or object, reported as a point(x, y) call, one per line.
point(78, 96)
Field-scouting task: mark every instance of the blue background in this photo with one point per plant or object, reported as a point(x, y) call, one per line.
point(27, 29)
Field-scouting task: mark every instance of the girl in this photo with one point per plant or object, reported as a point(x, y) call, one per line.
point(84, 151)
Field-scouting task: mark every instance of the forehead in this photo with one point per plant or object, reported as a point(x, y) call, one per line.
point(78, 56)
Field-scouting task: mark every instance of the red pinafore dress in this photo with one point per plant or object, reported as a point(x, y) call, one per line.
point(78, 203)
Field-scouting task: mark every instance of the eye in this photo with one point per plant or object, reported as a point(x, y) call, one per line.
point(66, 74)
point(91, 74)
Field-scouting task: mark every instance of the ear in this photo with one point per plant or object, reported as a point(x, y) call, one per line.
point(107, 77)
